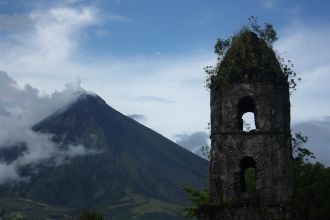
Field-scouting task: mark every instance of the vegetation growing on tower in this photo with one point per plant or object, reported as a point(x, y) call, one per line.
point(249, 55)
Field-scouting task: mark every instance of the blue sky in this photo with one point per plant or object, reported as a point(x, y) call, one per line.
point(135, 27)
point(146, 57)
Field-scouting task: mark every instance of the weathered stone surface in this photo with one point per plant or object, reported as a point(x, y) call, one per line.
point(266, 148)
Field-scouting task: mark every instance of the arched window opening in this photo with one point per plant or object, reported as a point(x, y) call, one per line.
point(248, 175)
point(246, 110)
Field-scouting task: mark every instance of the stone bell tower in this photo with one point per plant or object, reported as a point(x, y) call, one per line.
point(250, 79)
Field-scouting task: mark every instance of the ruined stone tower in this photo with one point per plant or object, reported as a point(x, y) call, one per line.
point(250, 79)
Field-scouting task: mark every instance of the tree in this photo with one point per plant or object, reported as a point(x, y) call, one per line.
point(311, 195)
point(90, 215)
point(16, 216)
point(197, 198)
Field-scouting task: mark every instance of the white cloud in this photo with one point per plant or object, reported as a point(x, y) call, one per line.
point(306, 45)
point(151, 99)
point(54, 33)
point(28, 105)
point(20, 109)
point(318, 133)
point(48, 54)
point(8, 173)
point(138, 118)
point(308, 48)
point(180, 80)
point(194, 141)
point(50, 43)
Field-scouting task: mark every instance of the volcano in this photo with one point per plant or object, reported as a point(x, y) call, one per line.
point(135, 173)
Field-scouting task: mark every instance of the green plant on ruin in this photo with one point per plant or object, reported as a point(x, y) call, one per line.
point(197, 198)
point(265, 56)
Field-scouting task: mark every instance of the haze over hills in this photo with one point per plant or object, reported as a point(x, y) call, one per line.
point(130, 172)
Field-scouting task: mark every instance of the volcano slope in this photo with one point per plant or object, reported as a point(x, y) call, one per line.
point(134, 172)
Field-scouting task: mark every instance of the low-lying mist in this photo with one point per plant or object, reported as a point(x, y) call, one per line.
point(20, 109)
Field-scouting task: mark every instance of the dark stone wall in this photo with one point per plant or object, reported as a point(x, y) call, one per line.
point(271, 100)
point(269, 146)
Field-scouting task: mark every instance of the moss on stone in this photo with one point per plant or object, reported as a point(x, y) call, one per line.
point(249, 59)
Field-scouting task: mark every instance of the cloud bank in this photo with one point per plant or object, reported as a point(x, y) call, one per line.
point(318, 133)
point(307, 47)
point(139, 118)
point(193, 141)
point(20, 109)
